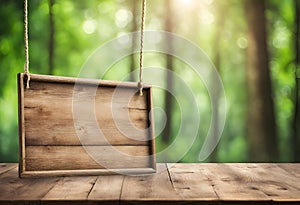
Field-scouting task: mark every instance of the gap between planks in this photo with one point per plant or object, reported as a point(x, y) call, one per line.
point(14, 189)
point(191, 183)
point(117, 188)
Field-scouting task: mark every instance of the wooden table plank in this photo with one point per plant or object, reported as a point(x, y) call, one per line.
point(107, 189)
point(290, 168)
point(4, 167)
point(190, 183)
point(14, 189)
point(154, 188)
point(230, 185)
point(276, 183)
point(71, 188)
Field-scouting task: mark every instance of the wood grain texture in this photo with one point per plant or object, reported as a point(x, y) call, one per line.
point(59, 115)
point(271, 180)
point(292, 169)
point(4, 167)
point(21, 123)
point(138, 189)
point(183, 179)
point(84, 81)
point(76, 157)
point(266, 182)
point(231, 185)
point(71, 188)
point(107, 188)
point(180, 184)
point(71, 120)
point(14, 189)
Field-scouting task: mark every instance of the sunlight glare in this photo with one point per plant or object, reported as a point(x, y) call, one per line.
point(207, 17)
point(187, 2)
point(242, 42)
point(122, 18)
point(89, 26)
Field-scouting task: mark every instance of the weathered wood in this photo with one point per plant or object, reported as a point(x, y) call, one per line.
point(21, 124)
point(14, 189)
point(4, 167)
point(108, 189)
point(231, 185)
point(60, 115)
point(182, 184)
point(157, 188)
point(76, 157)
point(71, 188)
point(266, 182)
point(62, 118)
point(82, 81)
point(271, 180)
point(183, 178)
point(290, 168)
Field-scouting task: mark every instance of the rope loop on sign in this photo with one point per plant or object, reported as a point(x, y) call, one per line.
point(140, 83)
point(26, 47)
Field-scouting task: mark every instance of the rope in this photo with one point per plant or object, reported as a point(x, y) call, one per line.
point(26, 49)
point(140, 84)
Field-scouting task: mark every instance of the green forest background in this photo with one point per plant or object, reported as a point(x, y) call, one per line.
point(254, 44)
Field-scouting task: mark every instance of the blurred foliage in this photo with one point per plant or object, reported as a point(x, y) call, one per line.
point(83, 26)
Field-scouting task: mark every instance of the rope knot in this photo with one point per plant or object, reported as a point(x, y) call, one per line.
point(140, 85)
point(27, 78)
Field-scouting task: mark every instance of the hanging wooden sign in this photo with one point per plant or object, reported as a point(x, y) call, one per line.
point(70, 126)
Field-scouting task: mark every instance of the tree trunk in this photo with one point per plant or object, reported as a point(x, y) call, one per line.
point(261, 128)
point(216, 94)
point(51, 38)
point(134, 39)
point(166, 135)
point(296, 120)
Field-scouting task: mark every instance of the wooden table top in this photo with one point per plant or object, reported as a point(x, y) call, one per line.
point(212, 183)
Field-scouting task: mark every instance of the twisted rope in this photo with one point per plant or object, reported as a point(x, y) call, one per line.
point(26, 47)
point(140, 84)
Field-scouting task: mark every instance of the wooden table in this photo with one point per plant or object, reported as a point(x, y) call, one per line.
point(176, 184)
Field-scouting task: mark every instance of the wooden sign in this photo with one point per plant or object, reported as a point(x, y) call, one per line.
point(70, 126)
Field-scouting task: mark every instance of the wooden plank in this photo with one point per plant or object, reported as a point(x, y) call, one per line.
point(21, 123)
point(83, 81)
point(4, 167)
point(291, 168)
point(107, 189)
point(151, 130)
point(89, 134)
point(190, 183)
point(87, 172)
point(14, 189)
point(264, 182)
point(230, 185)
point(276, 183)
point(76, 157)
point(121, 96)
point(71, 188)
point(156, 188)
